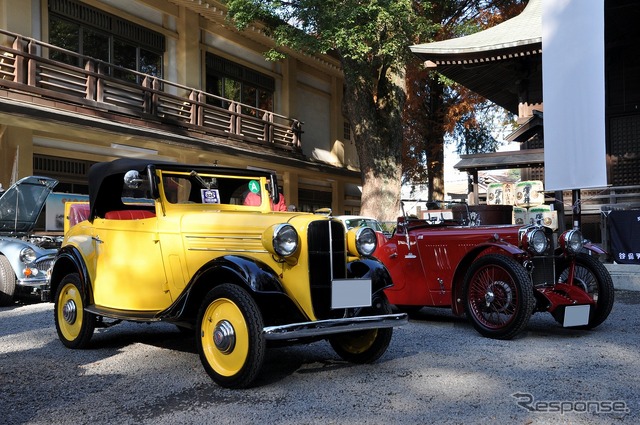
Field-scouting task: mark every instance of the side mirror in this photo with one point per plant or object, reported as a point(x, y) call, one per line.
point(133, 180)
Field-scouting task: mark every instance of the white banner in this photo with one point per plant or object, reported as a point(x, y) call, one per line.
point(573, 93)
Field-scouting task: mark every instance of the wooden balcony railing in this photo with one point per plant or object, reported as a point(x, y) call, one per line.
point(25, 66)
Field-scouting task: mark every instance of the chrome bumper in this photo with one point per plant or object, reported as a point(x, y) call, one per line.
point(333, 326)
point(39, 282)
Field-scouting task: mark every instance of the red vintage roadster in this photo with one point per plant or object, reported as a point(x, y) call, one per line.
point(498, 275)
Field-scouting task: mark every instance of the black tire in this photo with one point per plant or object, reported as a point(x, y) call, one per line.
point(7, 282)
point(229, 336)
point(365, 346)
point(592, 276)
point(499, 297)
point(74, 325)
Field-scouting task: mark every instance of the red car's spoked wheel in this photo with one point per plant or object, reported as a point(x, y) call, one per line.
point(499, 296)
point(493, 297)
point(590, 275)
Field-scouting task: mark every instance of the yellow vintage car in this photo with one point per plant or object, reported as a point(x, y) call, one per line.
point(179, 243)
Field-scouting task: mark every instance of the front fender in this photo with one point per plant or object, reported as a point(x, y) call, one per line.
point(370, 268)
point(594, 249)
point(255, 276)
point(69, 260)
point(11, 247)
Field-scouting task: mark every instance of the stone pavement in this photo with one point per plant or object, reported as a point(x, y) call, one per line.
point(625, 276)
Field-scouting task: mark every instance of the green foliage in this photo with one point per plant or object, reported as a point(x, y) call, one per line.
point(363, 34)
point(371, 38)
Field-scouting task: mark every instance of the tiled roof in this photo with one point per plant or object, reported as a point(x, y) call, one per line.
point(519, 32)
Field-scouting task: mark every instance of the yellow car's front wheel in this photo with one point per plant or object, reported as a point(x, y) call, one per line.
point(229, 336)
point(74, 325)
point(365, 346)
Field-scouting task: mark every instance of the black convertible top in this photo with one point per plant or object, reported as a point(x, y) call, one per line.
point(106, 179)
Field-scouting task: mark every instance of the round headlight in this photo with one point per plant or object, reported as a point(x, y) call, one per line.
point(573, 241)
point(27, 255)
point(366, 241)
point(285, 240)
point(537, 242)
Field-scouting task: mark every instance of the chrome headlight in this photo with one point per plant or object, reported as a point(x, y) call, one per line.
point(281, 239)
point(28, 255)
point(535, 241)
point(362, 241)
point(366, 242)
point(572, 241)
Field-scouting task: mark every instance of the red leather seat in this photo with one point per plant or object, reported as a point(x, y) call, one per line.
point(78, 213)
point(129, 215)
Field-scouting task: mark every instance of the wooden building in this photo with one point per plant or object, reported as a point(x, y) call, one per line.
point(83, 81)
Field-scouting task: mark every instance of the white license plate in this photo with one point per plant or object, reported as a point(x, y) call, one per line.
point(576, 315)
point(346, 293)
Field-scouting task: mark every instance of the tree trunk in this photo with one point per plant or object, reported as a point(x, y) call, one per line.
point(377, 130)
point(435, 134)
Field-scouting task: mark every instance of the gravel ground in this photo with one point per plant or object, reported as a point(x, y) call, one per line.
point(437, 370)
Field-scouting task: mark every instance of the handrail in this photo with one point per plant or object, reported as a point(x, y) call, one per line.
point(25, 65)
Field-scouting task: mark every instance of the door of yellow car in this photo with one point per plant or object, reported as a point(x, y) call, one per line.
point(129, 271)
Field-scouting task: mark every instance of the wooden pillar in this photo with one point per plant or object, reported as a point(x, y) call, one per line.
point(290, 188)
point(188, 54)
point(16, 146)
point(577, 208)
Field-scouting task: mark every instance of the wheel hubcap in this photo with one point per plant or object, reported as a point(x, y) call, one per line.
point(224, 336)
point(70, 312)
point(489, 297)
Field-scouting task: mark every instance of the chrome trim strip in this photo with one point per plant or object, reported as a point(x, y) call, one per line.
point(333, 326)
point(256, 251)
point(251, 238)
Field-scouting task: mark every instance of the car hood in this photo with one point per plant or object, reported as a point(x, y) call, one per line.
point(22, 203)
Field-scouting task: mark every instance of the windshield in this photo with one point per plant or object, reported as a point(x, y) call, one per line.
point(183, 188)
point(22, 203)
point(363, 222)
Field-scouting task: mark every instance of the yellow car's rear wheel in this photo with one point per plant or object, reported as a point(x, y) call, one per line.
point(229, 336)
point(74, 325)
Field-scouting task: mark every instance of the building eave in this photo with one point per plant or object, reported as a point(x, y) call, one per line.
point(501, 160)
point(519, 33)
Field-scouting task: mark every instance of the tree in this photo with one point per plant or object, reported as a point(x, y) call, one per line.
point(437, 106)
point(371, 38)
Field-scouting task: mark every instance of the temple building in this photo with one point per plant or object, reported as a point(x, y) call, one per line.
point(505, 65)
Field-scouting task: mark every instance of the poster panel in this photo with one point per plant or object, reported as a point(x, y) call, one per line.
point(573, 90)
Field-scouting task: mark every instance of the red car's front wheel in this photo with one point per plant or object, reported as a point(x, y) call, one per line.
point(499, 296)
point(592, 276)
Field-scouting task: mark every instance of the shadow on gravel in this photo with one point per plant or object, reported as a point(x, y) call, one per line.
point(627, 297)
point(156, 335)
point(280, 361)
point(541, 324)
